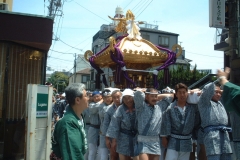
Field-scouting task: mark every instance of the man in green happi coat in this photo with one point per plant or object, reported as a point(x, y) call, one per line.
point(231, 92)
point(69, 137)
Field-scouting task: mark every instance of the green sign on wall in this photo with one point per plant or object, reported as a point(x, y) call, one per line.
point(42, 105)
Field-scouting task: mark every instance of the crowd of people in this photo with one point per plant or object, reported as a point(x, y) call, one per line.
point(148, 124)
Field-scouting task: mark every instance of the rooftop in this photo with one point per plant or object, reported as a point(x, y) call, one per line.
point(84, 71)
point(157, 31)
point(25, 14)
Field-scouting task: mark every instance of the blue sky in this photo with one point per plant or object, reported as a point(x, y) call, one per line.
point(82, 19)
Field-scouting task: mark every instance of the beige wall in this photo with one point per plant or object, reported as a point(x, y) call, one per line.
point(78, 79)
point(9, 2)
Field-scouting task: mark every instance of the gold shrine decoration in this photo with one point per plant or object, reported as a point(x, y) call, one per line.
point(177, 49)
point(128, 25)
point(88, 54)
point(135, 52)
point(112, 43)
point(132, 54)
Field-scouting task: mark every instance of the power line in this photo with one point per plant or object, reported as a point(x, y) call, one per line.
point(80, 42)
point(53, 66)
point(56, 9)
point(60, 59)
point(91, 12)
point(145, 8)
point(128, 4)
point(70, 48)
point(56, 34)
point(87, 44)
point(70, 45)
point(60, 27)
point(84, 60)
point(70, 70)
point(60, 52)
point(136, 5)
point(141, 7)
point(203, 54)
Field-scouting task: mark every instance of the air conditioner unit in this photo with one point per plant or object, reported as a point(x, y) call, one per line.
point(4, 6)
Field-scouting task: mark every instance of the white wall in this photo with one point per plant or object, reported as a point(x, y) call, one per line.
point(82, 63)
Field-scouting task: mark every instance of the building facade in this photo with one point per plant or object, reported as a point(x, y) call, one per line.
point(227, 40)
point(6, 5)
point(81, 63)
point(23, 57)
point(82, 76)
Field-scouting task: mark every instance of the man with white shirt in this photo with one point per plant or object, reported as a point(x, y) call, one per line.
point(179, 121)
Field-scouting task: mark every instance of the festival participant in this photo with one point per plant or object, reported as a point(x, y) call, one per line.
point(180, 119)
point(231, 94)
point(149, 118)
point(214, 120)
point(69, 139)
point(229, 97)
point(93, 131)
point(116, 97)
point(107, 101)
point(122, 127)
point(171, 92)
point(86, 116)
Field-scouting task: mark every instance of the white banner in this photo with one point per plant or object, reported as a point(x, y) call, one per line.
point(217, 13)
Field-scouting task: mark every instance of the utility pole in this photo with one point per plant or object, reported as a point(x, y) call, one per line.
point(55, 8)
point(75, 68)
point(50, 8)
point(234, 35)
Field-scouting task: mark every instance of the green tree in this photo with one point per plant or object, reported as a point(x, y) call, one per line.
point(181, 74)
point(59, 81)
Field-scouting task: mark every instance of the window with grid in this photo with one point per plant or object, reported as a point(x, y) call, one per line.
point(164, 41)
point(85, 78)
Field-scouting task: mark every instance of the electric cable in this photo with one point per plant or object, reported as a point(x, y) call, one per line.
point(145, 8)
point(92, 12)
point(203, 54)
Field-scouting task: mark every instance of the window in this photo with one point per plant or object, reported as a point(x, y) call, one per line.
point(85, 78)
point(164, 41)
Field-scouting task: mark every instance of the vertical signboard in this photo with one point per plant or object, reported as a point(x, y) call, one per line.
point(217, 13)
point(42, 105)
point(38, 122)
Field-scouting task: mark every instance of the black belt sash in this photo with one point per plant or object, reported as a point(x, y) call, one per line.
point(95, 126)
point(128, 132)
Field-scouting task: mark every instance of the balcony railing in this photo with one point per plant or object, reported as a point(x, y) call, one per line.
point(149, 26)
point(221, 35)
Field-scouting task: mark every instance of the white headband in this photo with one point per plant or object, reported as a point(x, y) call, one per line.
point(106, 93)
